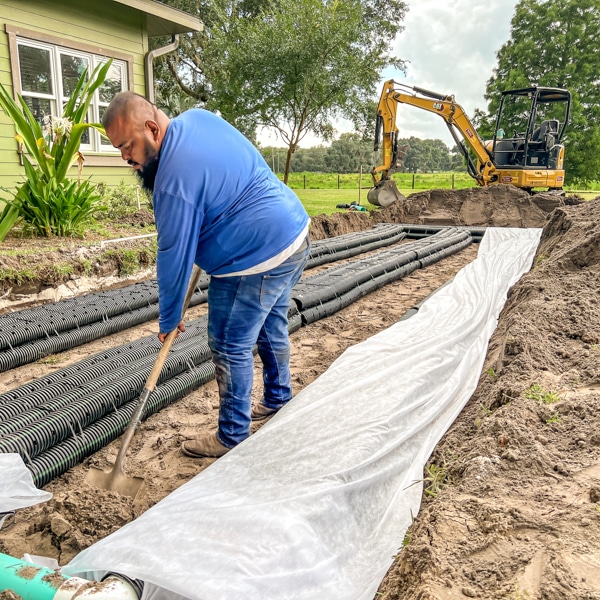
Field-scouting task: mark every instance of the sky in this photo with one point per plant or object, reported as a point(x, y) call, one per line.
point(450, 47)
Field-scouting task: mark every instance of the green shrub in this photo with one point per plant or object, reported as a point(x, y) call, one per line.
point(124, 199)
point(49, 202)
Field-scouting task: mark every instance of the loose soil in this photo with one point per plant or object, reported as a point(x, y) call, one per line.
point(515, 512)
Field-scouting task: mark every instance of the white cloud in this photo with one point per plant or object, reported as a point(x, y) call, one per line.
point(451, 48)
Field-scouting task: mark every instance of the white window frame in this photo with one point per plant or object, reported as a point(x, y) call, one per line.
point(105, 144)
point(57, 99)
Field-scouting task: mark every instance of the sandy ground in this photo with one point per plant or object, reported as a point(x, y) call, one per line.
point(514, 511)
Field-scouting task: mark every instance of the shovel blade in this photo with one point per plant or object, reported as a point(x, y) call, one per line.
point(115, 481)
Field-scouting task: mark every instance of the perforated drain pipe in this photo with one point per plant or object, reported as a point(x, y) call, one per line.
point(413, 310)
point(138, 303)
point(31, 582)
point(414, 231)
point(58, 442)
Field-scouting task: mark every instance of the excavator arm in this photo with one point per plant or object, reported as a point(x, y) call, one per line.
point(465, 135)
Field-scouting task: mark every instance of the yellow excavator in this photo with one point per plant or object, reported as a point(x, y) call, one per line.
point(532, 157)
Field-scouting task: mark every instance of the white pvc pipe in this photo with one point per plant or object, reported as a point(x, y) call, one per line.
point(113, 588)
point(134, 237)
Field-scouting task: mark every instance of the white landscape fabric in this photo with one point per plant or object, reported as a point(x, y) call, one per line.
point(316, 503)
point(17, 489)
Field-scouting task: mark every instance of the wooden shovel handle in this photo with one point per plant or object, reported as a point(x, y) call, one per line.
point(166, 347)
point(151, 381)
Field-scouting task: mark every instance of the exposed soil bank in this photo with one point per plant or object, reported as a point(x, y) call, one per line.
point(518, 515)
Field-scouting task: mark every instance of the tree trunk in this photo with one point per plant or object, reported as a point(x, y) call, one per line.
point(288, 162)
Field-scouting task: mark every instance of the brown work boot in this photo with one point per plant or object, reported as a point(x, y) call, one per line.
point(260, 412)
point(204, 445)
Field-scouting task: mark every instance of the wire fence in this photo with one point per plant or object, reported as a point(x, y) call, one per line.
point(405, 181)
point(415, 181)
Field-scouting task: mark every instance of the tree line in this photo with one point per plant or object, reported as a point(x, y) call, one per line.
point(298, 65)
point(350, 152)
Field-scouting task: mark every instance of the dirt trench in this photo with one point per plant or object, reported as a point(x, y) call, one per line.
point(517, 511)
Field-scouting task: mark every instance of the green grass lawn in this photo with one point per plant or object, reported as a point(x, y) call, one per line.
point(585, 195)
point(317, 202)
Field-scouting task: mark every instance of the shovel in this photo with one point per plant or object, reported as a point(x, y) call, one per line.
point(115, 479)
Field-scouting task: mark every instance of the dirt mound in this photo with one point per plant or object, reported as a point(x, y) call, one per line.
point(73, 521)
point(572, 237)
point(140, 218)
point(496, 206)
point(518, 515)
point(38, 266)
point(326, 226)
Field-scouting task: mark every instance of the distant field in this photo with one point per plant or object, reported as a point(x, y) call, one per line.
point(321, 192)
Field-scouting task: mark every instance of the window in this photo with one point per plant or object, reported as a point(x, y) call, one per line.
point(49, 74)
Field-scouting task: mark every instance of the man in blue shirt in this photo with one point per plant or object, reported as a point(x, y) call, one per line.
point(217, 204)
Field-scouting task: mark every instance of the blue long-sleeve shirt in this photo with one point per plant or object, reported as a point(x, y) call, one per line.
point(216, 203)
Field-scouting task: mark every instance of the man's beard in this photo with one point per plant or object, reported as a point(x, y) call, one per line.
point(147, 174)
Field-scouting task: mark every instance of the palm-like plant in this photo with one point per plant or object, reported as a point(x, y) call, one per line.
point(48, 201)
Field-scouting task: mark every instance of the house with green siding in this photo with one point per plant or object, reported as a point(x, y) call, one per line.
point(46, 44)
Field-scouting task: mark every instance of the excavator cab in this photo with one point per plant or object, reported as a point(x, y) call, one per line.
point(533, 152)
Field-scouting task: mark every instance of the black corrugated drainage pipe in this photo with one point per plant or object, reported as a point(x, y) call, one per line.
point(31, 334)
point(337, 281)
point(413, 310)
point(328, 308)
point(79, 423)
point(414, 231)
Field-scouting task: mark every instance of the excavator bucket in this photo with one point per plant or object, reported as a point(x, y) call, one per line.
point(384, 193)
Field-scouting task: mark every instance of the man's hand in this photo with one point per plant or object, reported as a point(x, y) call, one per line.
point(163, 336)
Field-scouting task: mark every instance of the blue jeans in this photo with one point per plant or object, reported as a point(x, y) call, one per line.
point(244, 311)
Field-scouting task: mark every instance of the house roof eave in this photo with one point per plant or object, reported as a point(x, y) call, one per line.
point(163, 19)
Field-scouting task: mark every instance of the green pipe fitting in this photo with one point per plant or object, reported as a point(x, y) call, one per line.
point(28, 581)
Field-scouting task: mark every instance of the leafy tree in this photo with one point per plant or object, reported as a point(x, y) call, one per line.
point(457, 160)
point(303, 63)
point(414, 156)
point(174, 101)
point(426, 155)
point(199, 68)
point(288, 64)
point(348, 153)
point(438, 156)
point(554, 44)
point(308, 159)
